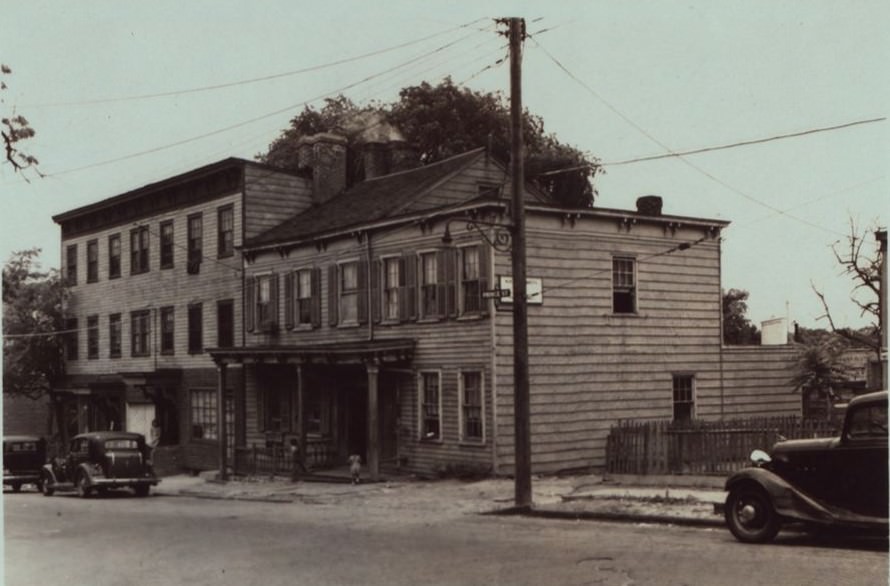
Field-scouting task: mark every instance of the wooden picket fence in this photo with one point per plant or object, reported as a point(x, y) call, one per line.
point(701, 447)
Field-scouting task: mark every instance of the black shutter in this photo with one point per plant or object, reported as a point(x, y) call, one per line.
point(362, 270)
point(450, 260)
point(376, 308)
point(273, 299)
point(333, 296)
point(316, 297)
point(250, 304)
point(289, 300)
point(484, 275)
point(411, 284)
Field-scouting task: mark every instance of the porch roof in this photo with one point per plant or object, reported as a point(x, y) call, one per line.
point(381, 351)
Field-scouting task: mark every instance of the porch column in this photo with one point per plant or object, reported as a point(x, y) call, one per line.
point(221, 420)
point(301, 410)
point(373, 425)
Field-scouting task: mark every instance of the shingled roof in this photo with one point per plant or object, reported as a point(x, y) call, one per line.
point(369, 201)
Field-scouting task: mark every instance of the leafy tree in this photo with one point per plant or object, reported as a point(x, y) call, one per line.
point(15, 129)
point(444, 120)
point(737, 328)
point(32, 317)
point(820, 369)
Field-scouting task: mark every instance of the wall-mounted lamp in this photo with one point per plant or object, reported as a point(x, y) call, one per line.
point(501, 240)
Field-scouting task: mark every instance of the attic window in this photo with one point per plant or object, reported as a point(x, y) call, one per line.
point(492, 190)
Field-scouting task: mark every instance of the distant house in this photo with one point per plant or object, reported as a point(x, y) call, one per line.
point(373, 325)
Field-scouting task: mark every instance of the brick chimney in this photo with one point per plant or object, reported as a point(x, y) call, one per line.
point(649, 205)
point(325, 155)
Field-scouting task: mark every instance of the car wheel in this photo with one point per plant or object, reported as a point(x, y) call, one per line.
point(46, 487)
point(83, 486)
point(142, 490)
point(750, 515)
point(17, 487)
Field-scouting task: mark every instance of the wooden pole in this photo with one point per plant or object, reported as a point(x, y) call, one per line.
point(521, 415)
point(373, 424)
point(221, 420)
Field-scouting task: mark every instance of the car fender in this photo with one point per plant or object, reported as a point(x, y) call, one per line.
point(90, 470)
point(787, 500)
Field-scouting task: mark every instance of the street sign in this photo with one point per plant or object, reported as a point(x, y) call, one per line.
point(496, 294)
point(534, 290)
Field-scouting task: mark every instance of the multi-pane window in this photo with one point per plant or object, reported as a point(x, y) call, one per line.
point(349, 292)
point(430, 406)
point(114, 256)
point(226, 231)
point(391, 276)
point(166, 244)
point(92, 261)
point(264, 301)
point(139, 250)
point(71, 265)
point(471, 405)
point(167, 330)
point(684, 397)
point(624, 285)
point(196, 328)
point(195, 242)
point(114, 335)
point(429, 284)
point(203, 414)
point(303, 296)
point(93, 337)
point(140, 332)
point(225, 323)
point(470, 282)
point(71, 334)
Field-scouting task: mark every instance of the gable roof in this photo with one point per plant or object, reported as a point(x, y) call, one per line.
point(369, 201)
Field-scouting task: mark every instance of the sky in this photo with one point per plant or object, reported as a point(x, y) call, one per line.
point(122, 94)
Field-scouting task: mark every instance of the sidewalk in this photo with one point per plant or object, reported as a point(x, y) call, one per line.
point(574, 497)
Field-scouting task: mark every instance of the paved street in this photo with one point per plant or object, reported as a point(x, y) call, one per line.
point(352, 539)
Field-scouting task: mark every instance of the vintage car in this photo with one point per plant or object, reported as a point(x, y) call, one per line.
point(101, 460)
point(23, 456)
point(828, 482)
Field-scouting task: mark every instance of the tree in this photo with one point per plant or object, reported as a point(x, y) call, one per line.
point(445, 120)
point(820, 369)
point(15, 129)
point(864, 268)
point(32, 319)
point(737, 328)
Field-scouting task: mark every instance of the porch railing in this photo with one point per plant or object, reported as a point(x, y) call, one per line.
point(276, 459)
point(701, 447)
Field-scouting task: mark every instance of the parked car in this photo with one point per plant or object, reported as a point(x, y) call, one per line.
point(828, 482)
point(23, 456)
point(101, 460)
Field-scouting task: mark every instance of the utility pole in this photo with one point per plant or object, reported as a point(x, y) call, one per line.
point(881, 237)
point(521, 410)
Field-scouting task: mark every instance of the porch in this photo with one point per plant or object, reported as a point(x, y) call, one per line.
point(316, 404)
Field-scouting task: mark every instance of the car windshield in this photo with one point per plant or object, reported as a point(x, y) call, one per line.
point(21, 447)
point(869, 422)
point(121, 444)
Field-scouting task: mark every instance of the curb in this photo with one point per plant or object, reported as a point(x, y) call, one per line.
point(606, 516)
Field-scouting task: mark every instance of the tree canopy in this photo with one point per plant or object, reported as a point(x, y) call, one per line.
point(32, 318)
point(737, 328)
point(444, 120)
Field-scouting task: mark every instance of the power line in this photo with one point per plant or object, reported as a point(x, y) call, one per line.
point(671, 152)
point(264, 116)
point(257, 79)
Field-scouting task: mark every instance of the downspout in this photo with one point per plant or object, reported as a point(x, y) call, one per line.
point(720, 316)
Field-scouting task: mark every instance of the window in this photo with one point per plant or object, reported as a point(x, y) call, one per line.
point(140, 331)
point(71, 265)
point(684, 397)
point(471, 406)
point(430, 406)
point(471, 290)
point(203, 414)
point(92, 261)
point(869, 422)
point(429, 285)
point(195, 243)
point(225, 237)
point(196, 328)
point(167, 330)
point(71, 334)
point(225, 323)
point(304, 298)
point(114, 256)
point(139, 250)
point(114, 335)
point(624, 285)
point(391, 287)
point(349, 292)
point(263, 302)
point(93, 337)
point(167, 244)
